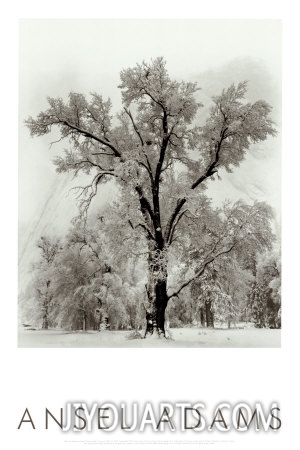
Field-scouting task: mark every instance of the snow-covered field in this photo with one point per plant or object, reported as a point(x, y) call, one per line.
point(180, 337)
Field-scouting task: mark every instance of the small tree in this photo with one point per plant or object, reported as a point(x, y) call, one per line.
point(264, 302)
point(43, 278)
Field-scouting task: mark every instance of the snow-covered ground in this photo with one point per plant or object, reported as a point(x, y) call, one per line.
point(180, 337)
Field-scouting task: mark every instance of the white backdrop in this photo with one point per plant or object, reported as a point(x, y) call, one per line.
point(39, 378)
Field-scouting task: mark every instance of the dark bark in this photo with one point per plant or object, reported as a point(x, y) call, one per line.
point(202, 317)
point(210, 171)
point(155, 312)
point(45, 325)
point(209, 314)
point(84, 316)
point(46, 303)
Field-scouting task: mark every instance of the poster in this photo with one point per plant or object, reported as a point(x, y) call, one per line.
point(48, 379)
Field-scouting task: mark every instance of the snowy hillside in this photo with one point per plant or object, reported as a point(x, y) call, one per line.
point(52, 218)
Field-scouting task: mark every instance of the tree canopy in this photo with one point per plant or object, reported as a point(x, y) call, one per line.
point(161, 155)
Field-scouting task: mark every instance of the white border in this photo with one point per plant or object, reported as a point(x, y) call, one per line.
point(51, 377)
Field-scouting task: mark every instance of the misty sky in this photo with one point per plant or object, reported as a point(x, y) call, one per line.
point(59, 56)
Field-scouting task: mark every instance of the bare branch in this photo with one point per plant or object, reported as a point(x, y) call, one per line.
point(200, 271)
point(145, 205)
point(172, 219)
point(146, 92)
point(142, 225)
point(102, 153)
point(211, 170)
point(57, 141)
point(86, 161)
point(87, 244)
point(169, 164)
point(89, 192)
point(134, 125)
point(170, 237)
point(87, 133)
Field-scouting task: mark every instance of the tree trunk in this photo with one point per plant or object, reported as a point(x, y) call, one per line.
point(202, 317)
point(155, 312)
point(209, 314)
point(156, 289)
point(45, 325)
point(46, 303)
point(84, 321)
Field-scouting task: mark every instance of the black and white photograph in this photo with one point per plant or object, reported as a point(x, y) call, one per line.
point(149, 183)
point(149, 225)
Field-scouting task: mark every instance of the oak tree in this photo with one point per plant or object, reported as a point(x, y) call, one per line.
point(160, 155)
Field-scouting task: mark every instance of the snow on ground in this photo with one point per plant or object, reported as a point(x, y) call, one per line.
point(180, 337)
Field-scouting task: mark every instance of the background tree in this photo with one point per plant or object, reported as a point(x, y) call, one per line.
point(159, 155)
point(43, 282)
point(235, 284)
point(264, 305)
point(240, 229)
point(87, 292)
point(37, 300)
point(79, 278)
